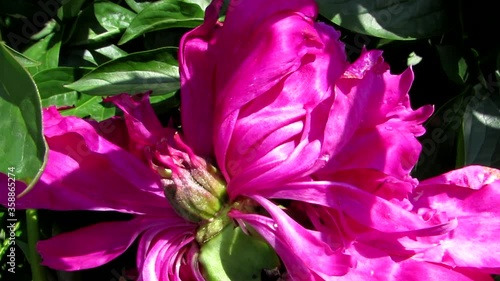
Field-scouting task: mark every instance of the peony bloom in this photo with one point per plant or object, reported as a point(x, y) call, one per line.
point(95, 166)
point(445, 229)
point(281, 136)
point(128, 166)
point(265, 121)
point(364, 203)
point(273, 68)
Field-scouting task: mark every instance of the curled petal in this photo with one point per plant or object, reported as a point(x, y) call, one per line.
point(311, 255)
point(193, 271)
point(161, 252)
point(373, 264)
point(86, 172)
point(377, 183)
point(364, 207)
point(113, 130)
point(143, 126)
point(474, 177)
point(194, 65)
point(386, 126)
point(342, 230)
point(265, 147)
point(93, 245)
point(471, 196)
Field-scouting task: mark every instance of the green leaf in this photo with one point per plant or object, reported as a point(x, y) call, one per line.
point(163, 104)
point(111, 52)
point(22, 146)
point(138, 6)
point(104, 54)
point(64, 99)
point(49, 28)
point(22, 59)
point(481, 129)
point(396, 20)
point(51, 83)
point(202, 3)
point(161, 38)
point(164, 99)
point(155, 70)
point(99, 22)
point(70, 9)
point(453, 63)
point(233, 255)
point(76, 57)
point(46, 51)
point(413, 59)
point(91, 106)
point(163, 15)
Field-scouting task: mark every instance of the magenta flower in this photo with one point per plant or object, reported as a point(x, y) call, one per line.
point(124, 167)
point(364, 203)
point(250, 122)
point(270, 110)
point(87, 170)
point(445, 230)
point(272, 68)
point(283, 102)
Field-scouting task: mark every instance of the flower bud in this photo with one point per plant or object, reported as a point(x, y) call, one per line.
point(192, 198)
point(194, 188)
point(211, 180)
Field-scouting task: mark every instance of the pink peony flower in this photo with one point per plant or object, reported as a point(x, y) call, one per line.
point(364, 203)
point(92, 166)
point(445, 230)
point(124, 166)
point(273, 68)
point(271, 110)
point(254, 126)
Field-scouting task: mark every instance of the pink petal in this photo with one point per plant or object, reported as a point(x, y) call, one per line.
point(197, 85)
point(93, 245)
point(191, 269)
point(275, 126)
point(372, 264)
point(113, 130)
point(474, 177)
point(386, 126)
point(376, 182)
point(296, 50)
point(296, 268)
point(86, 172)
point(364, 207)
point(248, 81)
point(311, 252)
point(161, 252)
point(143, 126)
point(470, 194)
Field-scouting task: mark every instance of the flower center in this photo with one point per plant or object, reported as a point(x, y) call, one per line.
point(194, 188)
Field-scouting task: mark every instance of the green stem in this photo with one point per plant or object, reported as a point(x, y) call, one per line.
point(37, 270)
